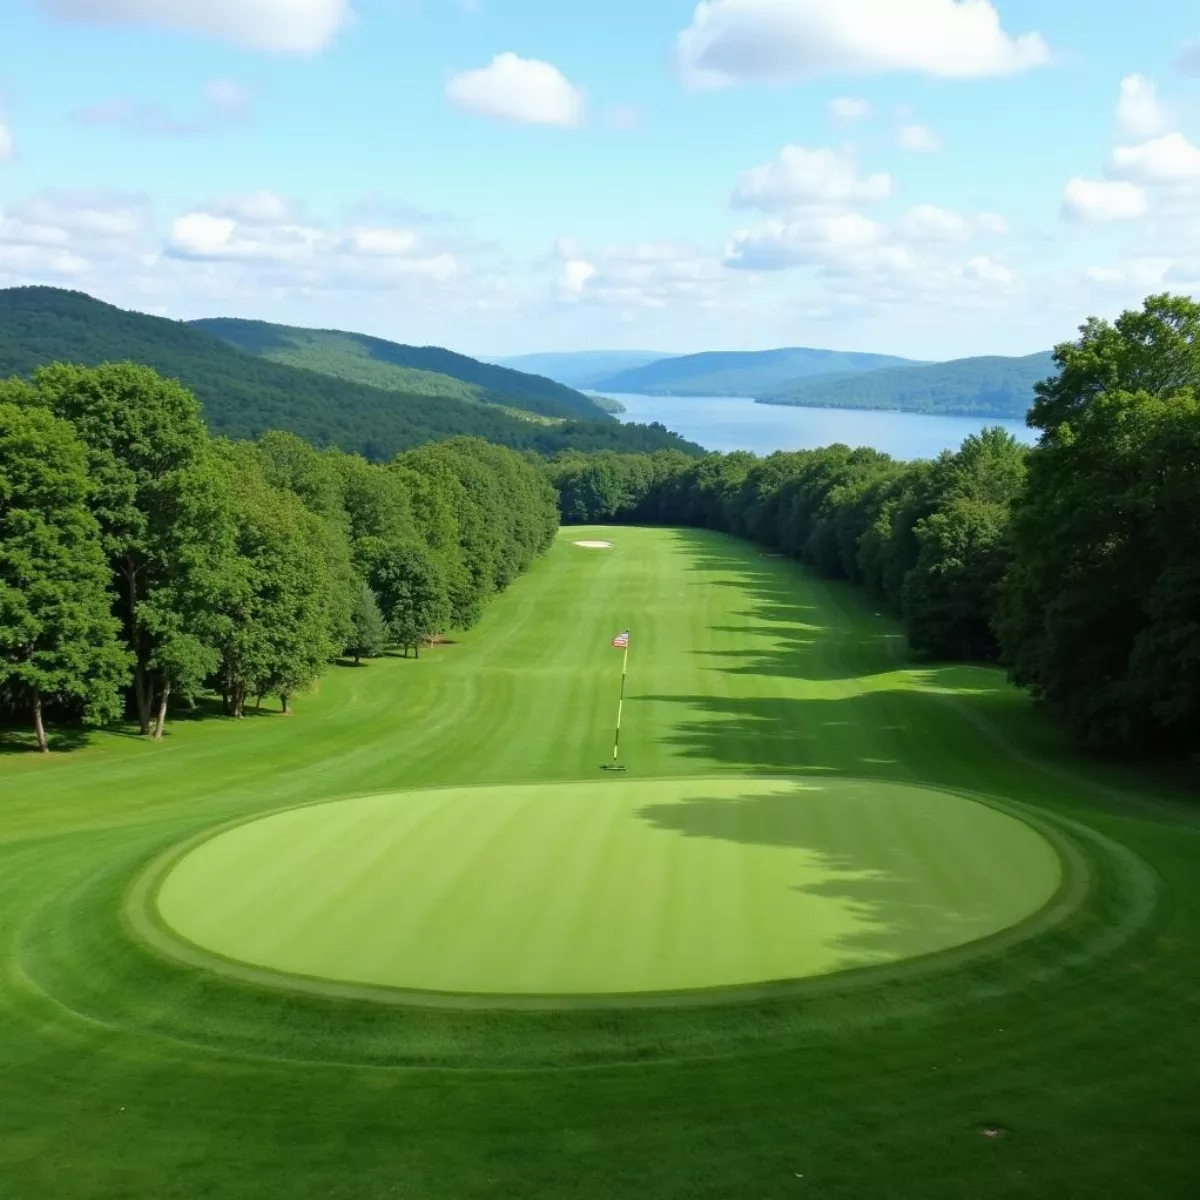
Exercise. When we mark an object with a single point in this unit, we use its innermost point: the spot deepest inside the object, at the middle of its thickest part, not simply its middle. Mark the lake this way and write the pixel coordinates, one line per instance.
(731, 423)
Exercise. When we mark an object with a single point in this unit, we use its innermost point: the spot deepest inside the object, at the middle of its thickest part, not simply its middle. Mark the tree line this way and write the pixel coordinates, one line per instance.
(1075, 563)
(143, 561)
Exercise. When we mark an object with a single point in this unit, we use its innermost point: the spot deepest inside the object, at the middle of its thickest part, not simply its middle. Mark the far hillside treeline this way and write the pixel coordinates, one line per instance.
(334, 390)
(1075, 563)
(145, 564)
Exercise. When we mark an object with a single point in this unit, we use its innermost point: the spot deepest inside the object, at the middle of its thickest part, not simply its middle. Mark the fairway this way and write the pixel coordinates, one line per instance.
(609, 887)
(971, 924)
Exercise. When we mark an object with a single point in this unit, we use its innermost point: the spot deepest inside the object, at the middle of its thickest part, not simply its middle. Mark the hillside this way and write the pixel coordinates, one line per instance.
(990, 386)
(420, 370)
(737, 373)
(582, 368)
(244, 395)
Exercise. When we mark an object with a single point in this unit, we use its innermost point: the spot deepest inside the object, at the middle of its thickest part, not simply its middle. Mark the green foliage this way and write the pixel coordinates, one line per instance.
(162, 516)
(59, 642)
(245, 396)
(369, 635)
(1101, 612)
(740, 373)
(989, 387)
(412, 595)
(422, 370)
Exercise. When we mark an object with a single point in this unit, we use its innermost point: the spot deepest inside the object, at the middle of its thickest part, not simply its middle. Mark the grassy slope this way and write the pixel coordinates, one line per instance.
(741, 373)
(990, 386)
(396, 367)
(127, 1077)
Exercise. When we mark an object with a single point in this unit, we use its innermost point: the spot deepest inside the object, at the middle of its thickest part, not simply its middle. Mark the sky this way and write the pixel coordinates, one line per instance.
(931, 178)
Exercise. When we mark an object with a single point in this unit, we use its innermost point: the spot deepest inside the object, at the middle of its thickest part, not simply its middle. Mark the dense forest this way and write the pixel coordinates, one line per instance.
(144, 563)
(427, 370)
(1075, 563)
(990, 387)
(243, 396)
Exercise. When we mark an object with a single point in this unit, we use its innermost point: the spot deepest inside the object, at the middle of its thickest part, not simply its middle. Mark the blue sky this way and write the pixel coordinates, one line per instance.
(926, 177)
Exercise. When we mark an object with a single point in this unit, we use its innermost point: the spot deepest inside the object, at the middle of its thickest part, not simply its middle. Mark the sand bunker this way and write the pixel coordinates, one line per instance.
(595, 545)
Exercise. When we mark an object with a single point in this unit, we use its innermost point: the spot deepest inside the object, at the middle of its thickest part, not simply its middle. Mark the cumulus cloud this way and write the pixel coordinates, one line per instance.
(929, 223)
(1140, 113)
(518, 89)
(799, 177)
(62, 234)
(224, 102)
(1100, 201)
(262, 231)
(1168, 159)
(780, 41)
(987, 270)
(645, 275)
(918, 138)
(285, 26)
(849, 108)
(1141, 273)
(778, 244)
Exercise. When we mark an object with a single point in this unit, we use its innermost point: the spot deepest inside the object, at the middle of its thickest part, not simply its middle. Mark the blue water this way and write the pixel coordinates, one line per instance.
(725, 423)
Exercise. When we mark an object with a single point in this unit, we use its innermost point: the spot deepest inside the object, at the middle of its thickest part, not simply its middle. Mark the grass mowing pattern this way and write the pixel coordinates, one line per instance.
(125, 1074)
(609, 887)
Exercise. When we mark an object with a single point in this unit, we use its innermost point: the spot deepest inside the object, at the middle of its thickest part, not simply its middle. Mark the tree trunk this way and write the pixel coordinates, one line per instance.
(161, 719)
(237, 700)
(141, 693)
(42, 743)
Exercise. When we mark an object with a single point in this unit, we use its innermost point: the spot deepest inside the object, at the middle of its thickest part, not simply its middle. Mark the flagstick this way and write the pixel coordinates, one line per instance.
(621, 702)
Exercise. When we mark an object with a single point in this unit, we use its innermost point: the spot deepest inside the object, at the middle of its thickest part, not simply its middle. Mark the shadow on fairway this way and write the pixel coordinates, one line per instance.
(849, 644)
(892, 913)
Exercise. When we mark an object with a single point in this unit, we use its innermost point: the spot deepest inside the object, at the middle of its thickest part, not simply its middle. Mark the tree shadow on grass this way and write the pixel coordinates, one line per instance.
(840, 639)
(16, 739)
(886, 907)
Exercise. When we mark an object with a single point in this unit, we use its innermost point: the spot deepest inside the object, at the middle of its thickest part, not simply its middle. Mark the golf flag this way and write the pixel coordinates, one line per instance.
(621, 641)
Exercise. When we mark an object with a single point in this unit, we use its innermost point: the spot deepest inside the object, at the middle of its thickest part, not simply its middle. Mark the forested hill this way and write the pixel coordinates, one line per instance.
(244, 396)
(423, 370)
(737, 373)
(582, 368)
(992, 387)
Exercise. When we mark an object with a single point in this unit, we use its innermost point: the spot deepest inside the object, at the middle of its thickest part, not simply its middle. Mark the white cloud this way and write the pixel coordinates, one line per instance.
(1168, 159)
(383, 241)
(646, 275)
(918, 138)
(1092, 201)
(255, 208)
(799, 177)
(849, 108)
(1142, 273)
(6, 143)
(777, 245)
(929, 223)
(518, 89)
(986, 270)
(1140, 114)
(738, 41)
(287, 26)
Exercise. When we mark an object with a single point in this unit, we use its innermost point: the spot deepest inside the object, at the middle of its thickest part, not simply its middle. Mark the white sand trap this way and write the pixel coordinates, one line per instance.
(594, 545)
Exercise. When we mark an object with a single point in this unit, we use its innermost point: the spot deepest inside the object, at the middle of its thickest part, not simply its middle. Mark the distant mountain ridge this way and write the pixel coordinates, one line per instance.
(991, 386)
(244, 396)
(582, 368)
(423, 370)
(748, 373)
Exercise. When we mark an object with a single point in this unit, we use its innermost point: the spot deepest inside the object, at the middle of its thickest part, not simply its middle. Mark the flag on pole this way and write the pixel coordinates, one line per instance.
(621, 641)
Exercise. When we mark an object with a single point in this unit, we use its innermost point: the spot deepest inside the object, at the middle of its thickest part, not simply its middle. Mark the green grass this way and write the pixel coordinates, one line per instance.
(126, 1073)
(607, 887)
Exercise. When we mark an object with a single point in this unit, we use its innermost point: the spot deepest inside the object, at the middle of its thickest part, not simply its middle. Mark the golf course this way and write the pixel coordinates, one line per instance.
(845, 925)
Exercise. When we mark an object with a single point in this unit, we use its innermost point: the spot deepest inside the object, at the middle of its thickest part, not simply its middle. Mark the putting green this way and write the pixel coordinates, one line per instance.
(608, 887)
